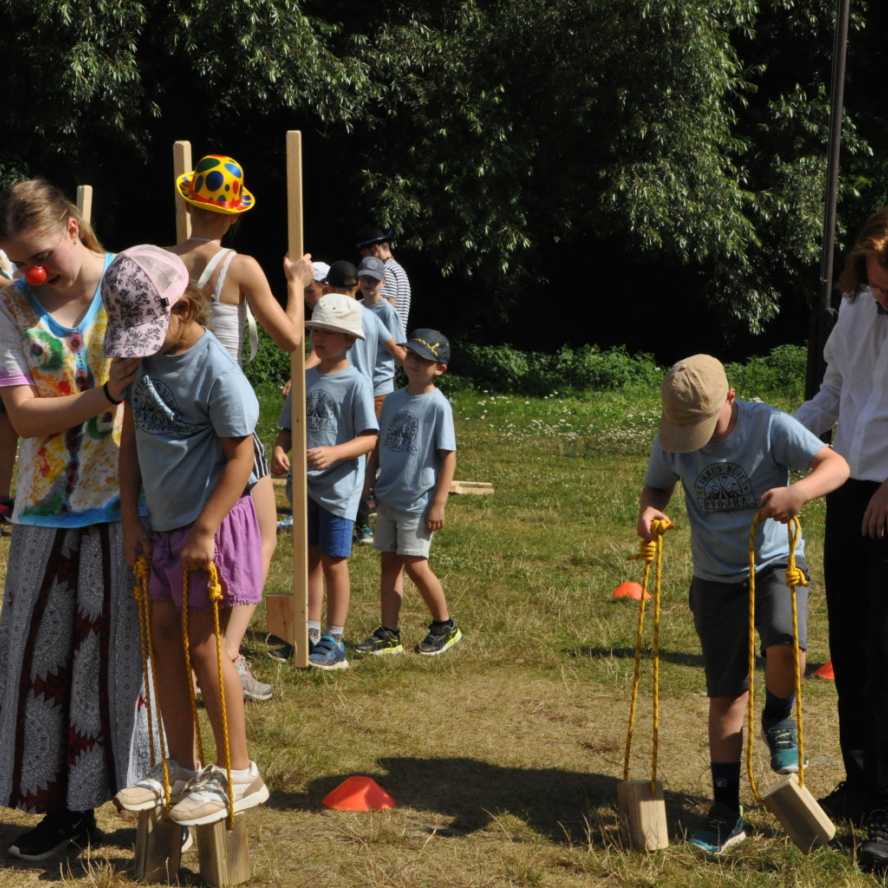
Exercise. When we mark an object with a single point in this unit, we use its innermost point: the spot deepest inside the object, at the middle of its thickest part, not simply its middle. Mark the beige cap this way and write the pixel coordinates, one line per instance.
(339, 313)
(693, 393)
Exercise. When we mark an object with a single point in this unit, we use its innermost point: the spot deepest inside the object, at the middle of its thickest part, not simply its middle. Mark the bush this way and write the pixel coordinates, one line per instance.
(270, 364)
(781, 374)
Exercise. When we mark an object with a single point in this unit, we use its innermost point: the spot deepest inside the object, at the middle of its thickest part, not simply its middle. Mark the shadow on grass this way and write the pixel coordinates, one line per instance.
(565, 806)
(626, 653)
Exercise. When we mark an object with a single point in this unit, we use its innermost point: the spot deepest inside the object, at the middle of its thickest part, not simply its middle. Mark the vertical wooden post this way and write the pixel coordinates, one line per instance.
(181, 164)
(85, 202)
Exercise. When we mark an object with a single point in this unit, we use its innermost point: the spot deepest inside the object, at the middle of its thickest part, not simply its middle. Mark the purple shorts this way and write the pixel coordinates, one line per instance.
(238, 560)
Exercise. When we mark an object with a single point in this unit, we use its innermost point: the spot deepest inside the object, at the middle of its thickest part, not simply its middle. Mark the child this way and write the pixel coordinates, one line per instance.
(417, 460)
(187, 444)
(341, 429)
(733, 459)
(216, 198)
(366, 355)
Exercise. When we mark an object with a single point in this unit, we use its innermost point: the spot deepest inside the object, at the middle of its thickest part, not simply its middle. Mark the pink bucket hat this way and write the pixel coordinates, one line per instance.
(139, 290)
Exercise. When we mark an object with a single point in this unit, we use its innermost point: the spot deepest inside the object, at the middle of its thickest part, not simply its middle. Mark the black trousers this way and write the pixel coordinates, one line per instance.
(856, 573)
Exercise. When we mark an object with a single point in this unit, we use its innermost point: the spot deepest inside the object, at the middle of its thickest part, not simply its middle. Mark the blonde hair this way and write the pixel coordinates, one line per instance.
(36, 205)
(872, 241)
(198, 304)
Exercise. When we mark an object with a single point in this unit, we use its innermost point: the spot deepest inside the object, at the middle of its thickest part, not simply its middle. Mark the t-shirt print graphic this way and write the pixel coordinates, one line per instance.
(724, 487)
(402, 435)
(320, 411)
(156, 410)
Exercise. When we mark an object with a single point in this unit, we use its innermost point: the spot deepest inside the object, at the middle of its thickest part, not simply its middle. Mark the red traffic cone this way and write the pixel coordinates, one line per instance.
(826, 672)
(629, 590)
(358, 794)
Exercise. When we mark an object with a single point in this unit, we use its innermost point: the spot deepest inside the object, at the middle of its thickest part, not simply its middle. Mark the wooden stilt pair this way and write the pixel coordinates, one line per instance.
(223, 847)
(640, 803)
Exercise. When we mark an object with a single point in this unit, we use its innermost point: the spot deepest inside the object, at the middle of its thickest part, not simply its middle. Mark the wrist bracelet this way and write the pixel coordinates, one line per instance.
(107, 392)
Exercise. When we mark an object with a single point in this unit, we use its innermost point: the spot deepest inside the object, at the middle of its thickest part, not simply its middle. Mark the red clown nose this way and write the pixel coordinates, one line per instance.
(36, 275)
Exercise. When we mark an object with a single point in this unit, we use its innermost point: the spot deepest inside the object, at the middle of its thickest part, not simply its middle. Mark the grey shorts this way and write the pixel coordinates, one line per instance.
(402, 532)
(721, 617)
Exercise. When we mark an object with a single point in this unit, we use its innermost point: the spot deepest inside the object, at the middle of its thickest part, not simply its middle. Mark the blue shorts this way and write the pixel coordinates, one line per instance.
(329, 533)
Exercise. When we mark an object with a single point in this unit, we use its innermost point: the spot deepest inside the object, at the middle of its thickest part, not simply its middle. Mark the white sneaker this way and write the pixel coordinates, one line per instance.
(205, 798)
(147, 794)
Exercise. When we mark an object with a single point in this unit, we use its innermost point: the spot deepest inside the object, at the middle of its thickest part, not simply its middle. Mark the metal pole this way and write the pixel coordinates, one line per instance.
(823, 314)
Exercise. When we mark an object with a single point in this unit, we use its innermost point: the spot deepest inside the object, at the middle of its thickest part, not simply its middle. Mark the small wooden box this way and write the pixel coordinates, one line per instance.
(280, 617)
(224, 854)
(643, 814)
(799, 814)
(158, 848)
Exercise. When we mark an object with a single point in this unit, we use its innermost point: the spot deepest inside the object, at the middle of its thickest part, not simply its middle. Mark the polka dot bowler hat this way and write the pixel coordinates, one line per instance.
(216, 184)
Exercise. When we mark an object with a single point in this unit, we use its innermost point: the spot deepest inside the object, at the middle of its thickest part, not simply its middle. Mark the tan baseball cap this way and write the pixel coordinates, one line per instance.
(338, 313)
(693, 393)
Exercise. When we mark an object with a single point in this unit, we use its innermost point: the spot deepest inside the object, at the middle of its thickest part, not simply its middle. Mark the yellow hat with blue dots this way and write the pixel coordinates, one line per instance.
(216, 184)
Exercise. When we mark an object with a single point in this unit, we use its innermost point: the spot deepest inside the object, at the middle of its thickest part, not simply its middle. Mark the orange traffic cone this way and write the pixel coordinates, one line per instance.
(629, 590)
(826, 672)
(358, 794)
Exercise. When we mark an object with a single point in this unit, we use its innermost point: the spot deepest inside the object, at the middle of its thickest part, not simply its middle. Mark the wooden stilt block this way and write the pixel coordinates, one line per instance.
(280, 616)
(643, 814)
(799, 814)
(224, 854)
(476, 488)
(158, 848)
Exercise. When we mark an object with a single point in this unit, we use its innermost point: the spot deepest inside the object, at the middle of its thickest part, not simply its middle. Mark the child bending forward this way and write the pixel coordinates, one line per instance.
(187, 445)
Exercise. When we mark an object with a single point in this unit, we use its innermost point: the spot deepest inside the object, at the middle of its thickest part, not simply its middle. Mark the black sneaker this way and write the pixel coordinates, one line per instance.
(54, 833)
(382, 641)
(873, 857)
(441, 637)
(846, 803)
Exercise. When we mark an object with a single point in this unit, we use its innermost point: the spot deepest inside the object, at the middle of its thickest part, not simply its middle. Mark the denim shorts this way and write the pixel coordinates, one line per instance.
(721, 617)
(329, 533)
(405, 533)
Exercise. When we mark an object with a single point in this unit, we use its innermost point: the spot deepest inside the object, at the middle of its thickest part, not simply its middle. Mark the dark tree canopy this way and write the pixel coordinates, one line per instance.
(648, 172)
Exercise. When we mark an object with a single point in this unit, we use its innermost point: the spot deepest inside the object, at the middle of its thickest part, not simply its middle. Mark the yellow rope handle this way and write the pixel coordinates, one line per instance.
(142, 572)
(189, 675)
(215, 590)
(794, 577)
(651, 553)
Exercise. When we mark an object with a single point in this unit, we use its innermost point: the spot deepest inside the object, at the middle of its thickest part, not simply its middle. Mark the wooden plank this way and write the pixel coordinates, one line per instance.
(476, 488)
(799, 813)
(181, 164)
(224, 854)
(289, 620)
(642, 814)
(85, 202)
(158, 849)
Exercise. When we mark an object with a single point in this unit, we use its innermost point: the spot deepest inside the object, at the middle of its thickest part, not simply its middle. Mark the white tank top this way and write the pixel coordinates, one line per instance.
(229, 323)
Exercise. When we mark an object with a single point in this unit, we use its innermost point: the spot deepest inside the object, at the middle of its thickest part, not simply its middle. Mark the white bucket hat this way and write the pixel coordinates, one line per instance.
(339, 313)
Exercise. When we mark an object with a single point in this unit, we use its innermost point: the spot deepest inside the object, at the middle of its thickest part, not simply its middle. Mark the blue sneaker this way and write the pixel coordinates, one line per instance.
(328, 653)
(363, 535)
(723, 829)
(783, 743)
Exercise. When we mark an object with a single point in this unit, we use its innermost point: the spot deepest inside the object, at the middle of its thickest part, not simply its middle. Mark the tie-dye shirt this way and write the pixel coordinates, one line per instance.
(67, 479)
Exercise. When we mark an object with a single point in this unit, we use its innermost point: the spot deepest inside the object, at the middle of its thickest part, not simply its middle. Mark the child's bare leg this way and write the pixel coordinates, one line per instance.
(726, 716)
(391, 589)
(779, 670)
(8, 446)
(239, 620)
(203, 658)
(429, 586)
(266, 514)
(175, 702)
(335, 572)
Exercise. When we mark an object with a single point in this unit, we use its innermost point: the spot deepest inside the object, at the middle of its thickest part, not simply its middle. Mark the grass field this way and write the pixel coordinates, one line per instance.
(503, 755)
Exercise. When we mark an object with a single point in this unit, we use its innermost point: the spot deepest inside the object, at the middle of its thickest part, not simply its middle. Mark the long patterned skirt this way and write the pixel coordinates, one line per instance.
(72, 722)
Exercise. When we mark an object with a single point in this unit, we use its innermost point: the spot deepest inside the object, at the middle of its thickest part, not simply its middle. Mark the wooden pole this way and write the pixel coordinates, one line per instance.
(181, 164)
(85, 202)
(287, 615)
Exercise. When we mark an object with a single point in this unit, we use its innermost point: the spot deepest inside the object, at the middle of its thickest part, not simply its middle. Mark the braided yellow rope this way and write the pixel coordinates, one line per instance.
(651, 553)
(215, 590)
(189, 675)
(143, 602)
(794, 577)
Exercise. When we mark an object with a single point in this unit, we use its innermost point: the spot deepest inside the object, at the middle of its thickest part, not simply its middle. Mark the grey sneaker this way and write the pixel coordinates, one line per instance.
(205, 798)
(147, 794)
(253, 688)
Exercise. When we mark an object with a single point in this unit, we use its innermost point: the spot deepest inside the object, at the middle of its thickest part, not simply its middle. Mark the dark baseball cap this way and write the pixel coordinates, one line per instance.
(372, 267)
(342, 274)
(429, 344)
(368, 236)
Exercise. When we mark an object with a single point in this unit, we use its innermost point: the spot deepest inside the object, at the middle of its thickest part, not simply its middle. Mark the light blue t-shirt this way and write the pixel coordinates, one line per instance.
(412, 429)
(364, 354)
(182, 405)
(723, 484)
(338, 407)
(384, 371)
